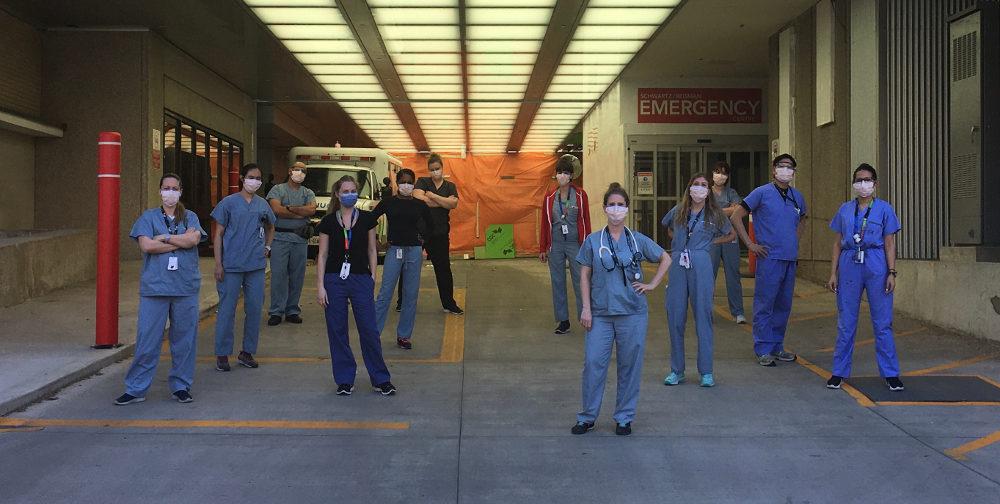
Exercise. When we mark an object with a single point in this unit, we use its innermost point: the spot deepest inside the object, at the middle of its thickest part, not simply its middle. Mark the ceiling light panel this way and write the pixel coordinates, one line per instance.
(416, 15)
(299, 15)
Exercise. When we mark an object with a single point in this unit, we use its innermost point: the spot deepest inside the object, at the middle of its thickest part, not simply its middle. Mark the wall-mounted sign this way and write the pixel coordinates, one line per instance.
(644, 184)
(156, 149)
(696, 105)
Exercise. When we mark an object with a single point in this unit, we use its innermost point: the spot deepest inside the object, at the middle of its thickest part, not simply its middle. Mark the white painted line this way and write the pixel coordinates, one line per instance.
(109, 143)
(108, 175)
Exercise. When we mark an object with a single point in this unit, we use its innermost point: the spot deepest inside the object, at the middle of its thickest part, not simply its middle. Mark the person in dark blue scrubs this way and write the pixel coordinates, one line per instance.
(864, 260)
(779, 211)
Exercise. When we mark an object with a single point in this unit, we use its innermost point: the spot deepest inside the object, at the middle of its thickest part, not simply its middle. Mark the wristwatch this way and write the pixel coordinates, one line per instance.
(267, 248)
(892, 272)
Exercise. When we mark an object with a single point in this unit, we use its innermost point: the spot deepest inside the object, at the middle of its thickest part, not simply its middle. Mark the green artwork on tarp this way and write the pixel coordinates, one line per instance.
(479, 252)
(500, 241)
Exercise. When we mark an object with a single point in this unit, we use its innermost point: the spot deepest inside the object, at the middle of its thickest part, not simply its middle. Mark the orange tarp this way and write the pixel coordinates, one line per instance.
(503, 189)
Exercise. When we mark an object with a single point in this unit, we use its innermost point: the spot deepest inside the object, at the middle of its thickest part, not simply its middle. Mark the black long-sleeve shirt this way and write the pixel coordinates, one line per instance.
(409, 220)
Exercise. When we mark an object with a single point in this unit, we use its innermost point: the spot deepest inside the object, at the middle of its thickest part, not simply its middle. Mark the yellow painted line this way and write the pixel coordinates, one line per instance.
(862, 399)
(960, 452)
(806, 295)
(871, 341)
(203, 424)
(950, 365)
(814, 316)
(724, 313)
(938, 403)
(989, 380)
(453, 344)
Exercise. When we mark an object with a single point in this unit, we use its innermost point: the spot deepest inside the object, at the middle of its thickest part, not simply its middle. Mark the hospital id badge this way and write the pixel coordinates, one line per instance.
(345, 270)
(859, 257)
(172, 263)
(399, 253)
(685, 260)
(565, 229)
(857, 238)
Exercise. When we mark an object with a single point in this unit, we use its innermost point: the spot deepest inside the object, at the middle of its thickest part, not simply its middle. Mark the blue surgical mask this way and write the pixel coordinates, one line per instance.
(348, 199)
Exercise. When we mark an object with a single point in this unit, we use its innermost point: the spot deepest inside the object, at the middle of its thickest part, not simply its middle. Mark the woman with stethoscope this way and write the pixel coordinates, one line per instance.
(864, 260)
(697, 225)
(615, 310)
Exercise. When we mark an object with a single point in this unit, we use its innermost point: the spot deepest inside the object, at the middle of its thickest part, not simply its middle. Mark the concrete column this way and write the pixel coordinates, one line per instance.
(865, 81)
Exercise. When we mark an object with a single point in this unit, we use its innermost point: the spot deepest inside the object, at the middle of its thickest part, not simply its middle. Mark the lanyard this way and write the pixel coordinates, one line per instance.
(562, 212)
(171, 228)
(785, 196)
(864, 220)
(694, 224)
(348, 233)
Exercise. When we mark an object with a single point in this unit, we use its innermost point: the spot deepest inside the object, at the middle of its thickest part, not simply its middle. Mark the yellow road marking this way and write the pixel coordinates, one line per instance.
(723, 313)
(814, 316)
(862, 399)
(205, 424)
(960, 452)
(938, 403)
(989, 380)
(871, 341)
(812, 294)
(950, 365)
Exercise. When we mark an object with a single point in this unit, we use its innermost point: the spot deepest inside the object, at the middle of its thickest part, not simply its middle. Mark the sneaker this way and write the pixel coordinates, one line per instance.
(345, 389)
(673, 379)
(834, 382)
(454, 310)
(247, 360)
(385, 389)
(740, 319)
(784, 356)
(128, 399)
(183, 396)
(222, 364)
(582, 428)
(563, 327)
(404, 343)
(894, 384)
(707, 380)
(624, 429)
(766, 360)
(295, 318)
(274, 320)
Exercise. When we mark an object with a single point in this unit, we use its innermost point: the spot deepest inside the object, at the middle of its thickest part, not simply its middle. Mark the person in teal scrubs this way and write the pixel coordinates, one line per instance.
(615, 311)
(728, 254)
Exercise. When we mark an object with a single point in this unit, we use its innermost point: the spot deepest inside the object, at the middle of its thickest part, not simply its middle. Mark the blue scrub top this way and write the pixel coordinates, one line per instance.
(243, 239)
(287, 196)
(776, 220)
(882, 222)
(610, 294)
(572, 214)
(156, 279)
(703, 232)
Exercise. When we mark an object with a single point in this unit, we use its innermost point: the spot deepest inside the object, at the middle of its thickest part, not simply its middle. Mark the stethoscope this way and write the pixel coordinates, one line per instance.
(633, 249)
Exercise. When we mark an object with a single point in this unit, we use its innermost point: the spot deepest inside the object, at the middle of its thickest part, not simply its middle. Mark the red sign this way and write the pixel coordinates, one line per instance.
(694, 105)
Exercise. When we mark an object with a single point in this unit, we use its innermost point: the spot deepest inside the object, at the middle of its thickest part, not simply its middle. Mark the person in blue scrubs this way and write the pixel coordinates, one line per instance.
(864, 260)
(168, 237)
(779, 212)
(615, 311)
(697, 225)
(345, 275)
(293, 205)
(243, 233)
(728, 253)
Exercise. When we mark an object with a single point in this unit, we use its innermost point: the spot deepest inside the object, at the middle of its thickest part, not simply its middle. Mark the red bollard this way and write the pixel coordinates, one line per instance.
(751, 257)
(109, 148)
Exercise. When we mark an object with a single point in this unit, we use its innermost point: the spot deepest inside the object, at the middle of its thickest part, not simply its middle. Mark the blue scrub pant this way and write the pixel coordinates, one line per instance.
(729, 255)
(852, 279)
(358, 289)
(564, 251)
(409, 268)
(628, 333)
(252, 285)
(772, 304)
(288, 271)
(698, 285)
(183, 334)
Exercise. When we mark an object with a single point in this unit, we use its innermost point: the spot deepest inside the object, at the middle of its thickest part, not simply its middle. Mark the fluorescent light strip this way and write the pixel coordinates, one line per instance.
(299, 15)
(633, 16)
(415, 16)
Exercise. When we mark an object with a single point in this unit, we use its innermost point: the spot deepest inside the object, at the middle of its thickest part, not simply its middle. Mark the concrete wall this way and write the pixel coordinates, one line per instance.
(36, 263)
(20, 85)
(17, 170)
(605, 159)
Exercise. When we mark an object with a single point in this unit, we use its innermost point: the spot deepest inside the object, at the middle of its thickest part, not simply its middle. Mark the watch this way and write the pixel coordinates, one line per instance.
(267, 248)
(892, 272)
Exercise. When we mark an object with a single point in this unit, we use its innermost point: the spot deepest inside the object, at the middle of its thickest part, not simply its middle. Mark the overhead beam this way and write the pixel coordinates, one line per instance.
(462, 31)
(359, 18)
(566, 17)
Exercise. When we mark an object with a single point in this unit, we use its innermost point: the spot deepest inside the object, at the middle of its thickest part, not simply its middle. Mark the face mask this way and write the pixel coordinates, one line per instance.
(784, 175)
(616, 214)
(348, 199)
(698, 193)
(169, 197)
(437, 174)
(864, 189)
(298, 176)
(251, 184)
(562, 178)
(405, 189)
(719, 178)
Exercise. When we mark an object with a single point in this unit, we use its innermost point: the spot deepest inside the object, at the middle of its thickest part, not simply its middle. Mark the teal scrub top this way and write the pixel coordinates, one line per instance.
(703, 232)
(776, 220)
(243, 239)
(287, 196)
(611, 293)
(882, 222)
(156, 279)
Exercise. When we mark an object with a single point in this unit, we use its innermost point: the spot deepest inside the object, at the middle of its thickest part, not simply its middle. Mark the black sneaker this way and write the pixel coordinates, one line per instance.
(295, 318)
(183, 396)
(623, 429)
(385, 389)
(834, 382)
(274, 320)
(404, 343)
(345, 389)
(128, 399)
(247, 360)
(222, 364)
(894, 384)
(582, 428)
(563, 327)
(454, 310)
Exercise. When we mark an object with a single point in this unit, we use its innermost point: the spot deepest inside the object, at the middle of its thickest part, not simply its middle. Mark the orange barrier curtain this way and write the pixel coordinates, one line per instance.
(508, 189)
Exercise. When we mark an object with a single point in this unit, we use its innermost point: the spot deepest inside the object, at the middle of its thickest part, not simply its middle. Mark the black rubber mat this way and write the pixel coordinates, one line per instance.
(929, 389)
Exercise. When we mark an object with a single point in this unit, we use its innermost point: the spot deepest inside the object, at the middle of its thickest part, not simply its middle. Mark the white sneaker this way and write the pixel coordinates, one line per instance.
(740, 319)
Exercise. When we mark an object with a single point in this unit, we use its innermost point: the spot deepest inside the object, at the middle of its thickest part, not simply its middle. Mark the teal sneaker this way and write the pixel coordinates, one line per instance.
(673, 379)
(707, 380)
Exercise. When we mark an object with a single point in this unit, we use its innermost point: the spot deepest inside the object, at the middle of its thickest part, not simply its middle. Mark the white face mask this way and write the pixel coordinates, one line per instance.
(698, 193)
(616, 214)
(437, 174)
(784, 175)
(562, 178)
(406, 189)
(864, 189)
(251, 184)
(719, 178)
(298, 176)
(169, 197)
